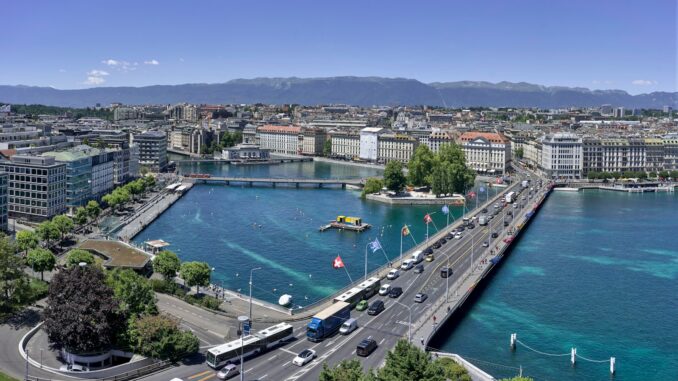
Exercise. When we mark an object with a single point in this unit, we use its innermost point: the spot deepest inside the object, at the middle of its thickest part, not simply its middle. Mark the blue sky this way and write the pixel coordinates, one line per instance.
(629, 44)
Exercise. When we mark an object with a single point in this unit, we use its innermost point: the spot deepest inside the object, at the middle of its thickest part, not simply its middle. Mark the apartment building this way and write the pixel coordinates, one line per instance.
(395, 147)
(345, 144)
(313, 141)
(37, 187)
(152, 150)
(437, 139)
(562, 156)
(281, 139)
(4, 200)
(486, 152)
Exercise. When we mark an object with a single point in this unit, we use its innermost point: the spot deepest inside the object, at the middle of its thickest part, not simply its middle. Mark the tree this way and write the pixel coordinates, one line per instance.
(26, 240)
(63, 224)
(13, 279)
(47, 231)
(519, 153)
(345, 370)
(196, 274)
(673, 175)
(133, 292)
(372, 185)
(93, 209)
(664, 174)
(81, 216)
(452, 370)
(420, 166)
(41, 260)
(77, 256)
(327, 148)
(81, 314)
(166, 263)
(394, 179)
(149, 181)
(406, 362)
(159, 337)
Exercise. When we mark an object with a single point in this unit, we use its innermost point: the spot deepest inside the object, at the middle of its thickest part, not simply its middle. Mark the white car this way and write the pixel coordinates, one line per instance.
(73, 368)
(385, 289)
(303, 358)
(458, 235)
(393, 274)
(229, 371)
(407, 264)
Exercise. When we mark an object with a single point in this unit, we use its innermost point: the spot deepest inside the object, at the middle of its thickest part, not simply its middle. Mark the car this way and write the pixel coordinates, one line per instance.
(496, 206)
(436, 245)
(506, 223)
(393, 274)
(450, 235)
(362, 305)
(304, 357)
(509, 213)
(495, 234)
(419, 269)
(366, 347)
(385, 289)
(458, 236)
(445, 272)
(73, 368)
(428, 251)
(443, 241)
(348, 326)
(471, 226)
(508, 240)
(229, 371)
(484, 210)
(420, 297)
(376, 308)
(460, 229)
(486, 244)
(429, 258)
(407, 264)
(395, 292)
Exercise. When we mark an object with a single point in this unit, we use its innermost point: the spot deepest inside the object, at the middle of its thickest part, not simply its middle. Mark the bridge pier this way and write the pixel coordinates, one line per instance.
(343, 185)
(273, 185)
(297, 185)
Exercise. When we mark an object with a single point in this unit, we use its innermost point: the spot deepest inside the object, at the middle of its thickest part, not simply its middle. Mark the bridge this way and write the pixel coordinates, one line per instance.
(273, 160)
(252, 181)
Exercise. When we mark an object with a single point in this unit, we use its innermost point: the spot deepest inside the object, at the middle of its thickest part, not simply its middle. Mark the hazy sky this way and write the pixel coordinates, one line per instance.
(624, 44)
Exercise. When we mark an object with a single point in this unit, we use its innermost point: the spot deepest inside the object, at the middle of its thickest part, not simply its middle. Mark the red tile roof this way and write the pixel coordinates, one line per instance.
(492, 137)
(280, 129)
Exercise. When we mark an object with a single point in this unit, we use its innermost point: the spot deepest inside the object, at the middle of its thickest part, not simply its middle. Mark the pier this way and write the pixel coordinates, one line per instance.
(251, 181)
(619, 186)
(337, 225)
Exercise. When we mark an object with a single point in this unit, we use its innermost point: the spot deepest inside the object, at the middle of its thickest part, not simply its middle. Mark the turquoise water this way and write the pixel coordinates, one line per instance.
(235, 229)
(597, 271)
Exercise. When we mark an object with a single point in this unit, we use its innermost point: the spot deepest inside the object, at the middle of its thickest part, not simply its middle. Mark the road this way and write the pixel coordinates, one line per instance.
(387, 328)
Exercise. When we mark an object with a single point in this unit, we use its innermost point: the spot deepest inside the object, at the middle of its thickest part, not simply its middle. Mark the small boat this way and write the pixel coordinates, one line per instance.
(285, 300)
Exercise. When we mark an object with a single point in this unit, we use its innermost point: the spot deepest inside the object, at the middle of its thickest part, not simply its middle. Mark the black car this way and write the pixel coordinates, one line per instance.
(506, 223)
(471, 226)
(460, 229)
(445, 272)
(443, 241)
(484, 210)
(428, 251)
(395, 292)
(436, 245)
(419, 269)
(450, 235)
(495, 235)
(366, 347)
(509, 212)
(376, 307)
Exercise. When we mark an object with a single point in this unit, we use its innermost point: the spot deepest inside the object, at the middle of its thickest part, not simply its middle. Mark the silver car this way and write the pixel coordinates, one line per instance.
(230, 370)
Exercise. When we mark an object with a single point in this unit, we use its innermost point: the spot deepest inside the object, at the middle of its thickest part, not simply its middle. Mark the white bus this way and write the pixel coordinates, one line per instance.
(510, 197)
(352, 296)
(250, 344)
(370, 286)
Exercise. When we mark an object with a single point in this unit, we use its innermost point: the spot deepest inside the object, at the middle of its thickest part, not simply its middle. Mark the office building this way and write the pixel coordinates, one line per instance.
(152, 150)
(369, 143)
(562, 156)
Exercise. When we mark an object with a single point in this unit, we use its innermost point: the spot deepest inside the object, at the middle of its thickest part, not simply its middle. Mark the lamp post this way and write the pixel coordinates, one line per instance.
(409, 326)
(241, 322)
(251, 271)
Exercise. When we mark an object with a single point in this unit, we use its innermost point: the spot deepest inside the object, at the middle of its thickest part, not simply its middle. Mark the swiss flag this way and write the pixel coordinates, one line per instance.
(427, 219)
(337, 263)
(472, 194)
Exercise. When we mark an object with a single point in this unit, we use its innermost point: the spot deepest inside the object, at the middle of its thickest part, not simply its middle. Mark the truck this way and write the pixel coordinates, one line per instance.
(482, 220)
(328, 321)
(510, 197)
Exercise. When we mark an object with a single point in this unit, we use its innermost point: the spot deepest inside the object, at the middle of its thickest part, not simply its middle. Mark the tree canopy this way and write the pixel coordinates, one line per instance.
(372, 185)
(166, 263)
(76, 256)
(41, 260)
(47, 232)
(420, 166)
(394, 178)
(345, 370)
(26, 240)
(196, 274)
(13, 279)
(450, 173)
(81, 314)
(159, 337)
(63, 224)
(132, 291)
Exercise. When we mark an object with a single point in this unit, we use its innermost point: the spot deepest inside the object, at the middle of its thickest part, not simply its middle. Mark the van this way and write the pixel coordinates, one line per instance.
(418, 256)
(445, 272)
(349, 326)
(366, 347)
(407, 264)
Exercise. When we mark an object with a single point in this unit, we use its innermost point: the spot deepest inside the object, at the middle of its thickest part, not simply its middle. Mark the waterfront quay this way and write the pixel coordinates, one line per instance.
(250, 181)
(469, 260)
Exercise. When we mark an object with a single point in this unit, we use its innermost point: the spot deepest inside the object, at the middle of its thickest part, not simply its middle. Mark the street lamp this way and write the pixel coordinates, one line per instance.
(251, 271)
(241, 321)
(409, 326)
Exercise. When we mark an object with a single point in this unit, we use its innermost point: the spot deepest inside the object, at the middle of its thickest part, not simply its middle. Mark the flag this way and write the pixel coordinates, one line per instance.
(445, 209)
(427, 219)
(481, 190)
(375, 245)
(405, 230)
(472, 194)
(337, 263)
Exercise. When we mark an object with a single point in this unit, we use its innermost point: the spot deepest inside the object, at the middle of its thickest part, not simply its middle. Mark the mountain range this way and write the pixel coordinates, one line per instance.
(359, 91)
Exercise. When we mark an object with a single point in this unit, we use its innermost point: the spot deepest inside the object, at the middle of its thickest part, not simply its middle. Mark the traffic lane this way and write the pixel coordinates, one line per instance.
(209, 321)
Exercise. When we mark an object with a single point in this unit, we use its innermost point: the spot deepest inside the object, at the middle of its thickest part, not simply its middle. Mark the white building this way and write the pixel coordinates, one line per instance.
(396, 147)
(486, 152)
(369, 143)
(562, 156)
(281, 139)
(345, 144)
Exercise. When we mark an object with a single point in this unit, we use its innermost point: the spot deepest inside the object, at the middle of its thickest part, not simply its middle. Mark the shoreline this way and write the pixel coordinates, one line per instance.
(452, 201)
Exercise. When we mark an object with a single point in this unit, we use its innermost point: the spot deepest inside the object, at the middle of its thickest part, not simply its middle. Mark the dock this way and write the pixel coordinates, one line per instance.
(338, 225)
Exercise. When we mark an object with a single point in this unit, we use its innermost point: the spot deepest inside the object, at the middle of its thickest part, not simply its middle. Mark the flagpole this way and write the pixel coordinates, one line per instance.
(349, 275)
(448, 215)
(366, 260)
(401, 246)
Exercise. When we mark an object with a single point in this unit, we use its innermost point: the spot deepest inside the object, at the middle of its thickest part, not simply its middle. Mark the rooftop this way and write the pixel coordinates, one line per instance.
(117, 254)
(492, 137)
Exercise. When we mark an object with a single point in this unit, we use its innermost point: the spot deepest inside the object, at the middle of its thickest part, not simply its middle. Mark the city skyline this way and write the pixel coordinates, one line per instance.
(572, 44)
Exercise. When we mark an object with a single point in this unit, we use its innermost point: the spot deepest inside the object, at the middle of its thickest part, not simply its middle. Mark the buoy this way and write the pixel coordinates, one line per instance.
(514, 337)
(573, 356)
(285, 300)
(613, 360)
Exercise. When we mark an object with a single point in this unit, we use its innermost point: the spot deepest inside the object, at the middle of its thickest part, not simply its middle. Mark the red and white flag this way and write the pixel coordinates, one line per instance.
(472, 194)
(337, 263)
(428, 219)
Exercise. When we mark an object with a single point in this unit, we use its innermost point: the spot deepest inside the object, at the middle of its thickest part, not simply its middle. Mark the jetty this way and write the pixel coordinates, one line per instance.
(355, 224)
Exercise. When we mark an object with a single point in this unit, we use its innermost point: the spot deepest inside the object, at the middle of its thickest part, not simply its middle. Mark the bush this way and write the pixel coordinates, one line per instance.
(160, 337)
(206, 301)
(171, 288)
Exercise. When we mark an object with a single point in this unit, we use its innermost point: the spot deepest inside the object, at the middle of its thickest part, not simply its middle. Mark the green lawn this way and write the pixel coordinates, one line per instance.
(4, 377)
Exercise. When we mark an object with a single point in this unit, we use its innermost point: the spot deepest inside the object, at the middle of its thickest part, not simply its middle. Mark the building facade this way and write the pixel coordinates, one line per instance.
(396, 147)
(281, 139)
(4, 201)
(369, 143)
(313, 141)
(152, 150)
(562, 156)
(486, 152)
(345, 144)
(37, 187)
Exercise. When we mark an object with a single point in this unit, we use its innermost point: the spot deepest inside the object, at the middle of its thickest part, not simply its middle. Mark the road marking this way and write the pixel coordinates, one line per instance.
(300, 333)
(285, 364)
(382, 341)
(288, 351)
(264, 376)
(207, 377)
(199, 374)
